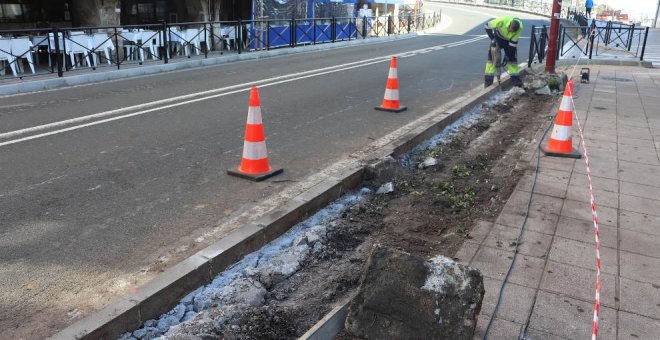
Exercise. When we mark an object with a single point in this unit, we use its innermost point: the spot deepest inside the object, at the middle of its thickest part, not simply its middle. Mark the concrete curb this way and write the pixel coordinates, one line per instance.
(605, 62)
(101, 75)
(162, 293)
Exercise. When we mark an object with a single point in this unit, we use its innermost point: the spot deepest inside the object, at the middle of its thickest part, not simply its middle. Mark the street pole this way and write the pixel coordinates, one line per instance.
(553, 37)
(655, 21)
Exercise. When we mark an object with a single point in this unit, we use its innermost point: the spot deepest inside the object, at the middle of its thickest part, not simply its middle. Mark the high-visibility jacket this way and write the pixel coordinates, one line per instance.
(501, 28)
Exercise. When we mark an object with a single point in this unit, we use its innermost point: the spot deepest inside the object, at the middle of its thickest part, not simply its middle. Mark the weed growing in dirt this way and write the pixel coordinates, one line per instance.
(460, 171)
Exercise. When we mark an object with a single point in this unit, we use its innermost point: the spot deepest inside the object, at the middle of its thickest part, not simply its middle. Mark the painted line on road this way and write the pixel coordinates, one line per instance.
(209, 94)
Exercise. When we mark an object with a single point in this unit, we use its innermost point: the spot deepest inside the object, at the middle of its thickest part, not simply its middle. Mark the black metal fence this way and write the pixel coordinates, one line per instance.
(608, 39)
(66, 50)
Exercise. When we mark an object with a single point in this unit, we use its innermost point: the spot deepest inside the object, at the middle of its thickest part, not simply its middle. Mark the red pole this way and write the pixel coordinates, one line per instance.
(553, 37)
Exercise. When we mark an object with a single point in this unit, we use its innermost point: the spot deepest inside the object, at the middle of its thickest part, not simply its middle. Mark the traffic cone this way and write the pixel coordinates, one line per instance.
(561, 141)
(391, 101)
(254, 164)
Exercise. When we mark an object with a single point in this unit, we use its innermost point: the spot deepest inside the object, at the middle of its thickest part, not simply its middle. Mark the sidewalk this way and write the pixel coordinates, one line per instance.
(556, 263)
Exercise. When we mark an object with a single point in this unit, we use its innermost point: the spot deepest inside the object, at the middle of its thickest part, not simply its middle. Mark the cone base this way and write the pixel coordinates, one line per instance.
(400, 109)
(254, 177)
(573, 154)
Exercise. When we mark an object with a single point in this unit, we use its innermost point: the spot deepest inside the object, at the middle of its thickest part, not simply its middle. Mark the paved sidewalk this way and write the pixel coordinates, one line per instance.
(557, 261)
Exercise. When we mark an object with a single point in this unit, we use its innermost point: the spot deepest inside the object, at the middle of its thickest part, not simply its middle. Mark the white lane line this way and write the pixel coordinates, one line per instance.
(237, 89)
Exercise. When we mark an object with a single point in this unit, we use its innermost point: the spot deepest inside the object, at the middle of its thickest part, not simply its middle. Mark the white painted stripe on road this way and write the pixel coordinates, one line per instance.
(233, 89)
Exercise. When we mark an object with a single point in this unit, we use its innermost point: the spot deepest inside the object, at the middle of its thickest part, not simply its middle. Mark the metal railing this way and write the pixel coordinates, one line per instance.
(82, 48)
(608, 39)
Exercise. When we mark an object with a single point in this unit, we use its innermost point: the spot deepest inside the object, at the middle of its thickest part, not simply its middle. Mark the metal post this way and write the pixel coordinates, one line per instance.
(314, 29)
(389, 25)
(531, 47)
(592, 37)
(554, 35)
(239, 33)
(206, 50)
(292, 41)
(166, 47)
(117, 48)
(267, 35)
(646, 35)
(364, 27)
(409, 22)
(631, 32)
(58, 52)
(333, 25)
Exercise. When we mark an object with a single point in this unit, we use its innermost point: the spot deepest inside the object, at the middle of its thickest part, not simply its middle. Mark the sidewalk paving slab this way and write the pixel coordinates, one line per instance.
(555, 272)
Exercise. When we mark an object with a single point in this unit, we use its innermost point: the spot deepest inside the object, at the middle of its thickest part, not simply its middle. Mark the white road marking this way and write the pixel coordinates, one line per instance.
(204, 95)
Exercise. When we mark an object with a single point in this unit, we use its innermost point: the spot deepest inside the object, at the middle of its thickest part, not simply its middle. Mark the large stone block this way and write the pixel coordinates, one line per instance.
(402, 296)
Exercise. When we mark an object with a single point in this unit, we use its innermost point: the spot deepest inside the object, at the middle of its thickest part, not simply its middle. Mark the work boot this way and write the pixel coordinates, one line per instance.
(516, 81)
(488, 80)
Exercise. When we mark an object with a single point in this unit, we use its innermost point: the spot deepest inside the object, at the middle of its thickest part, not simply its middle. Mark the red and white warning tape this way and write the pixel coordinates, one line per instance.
(594, 327)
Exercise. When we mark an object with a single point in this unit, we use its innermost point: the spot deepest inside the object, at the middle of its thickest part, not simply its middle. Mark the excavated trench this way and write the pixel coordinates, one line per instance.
(424, 203)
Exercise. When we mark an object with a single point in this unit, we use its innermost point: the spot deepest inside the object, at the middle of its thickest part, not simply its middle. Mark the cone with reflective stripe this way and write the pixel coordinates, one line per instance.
(561, 141)
(391, 101)
(254, 164)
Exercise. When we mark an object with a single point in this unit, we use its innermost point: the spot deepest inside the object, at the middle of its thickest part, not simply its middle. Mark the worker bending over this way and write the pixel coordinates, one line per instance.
(504, 33)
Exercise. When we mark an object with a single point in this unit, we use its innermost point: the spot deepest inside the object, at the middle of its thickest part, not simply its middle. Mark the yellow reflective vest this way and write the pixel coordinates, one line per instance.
(501, 28)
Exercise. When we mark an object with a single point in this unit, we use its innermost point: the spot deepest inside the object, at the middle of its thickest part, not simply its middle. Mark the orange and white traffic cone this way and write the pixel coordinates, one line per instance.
(254, 164)
(561, 141)
(391, 101)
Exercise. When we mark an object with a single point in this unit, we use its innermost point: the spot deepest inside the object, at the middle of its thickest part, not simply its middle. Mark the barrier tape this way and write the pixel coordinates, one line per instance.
(594, 327)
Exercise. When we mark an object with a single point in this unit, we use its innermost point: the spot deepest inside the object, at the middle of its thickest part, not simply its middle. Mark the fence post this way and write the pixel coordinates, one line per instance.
(631, 31)
(544, 41)
(116, 48)
(592, 37)
(206, 50)
(239, 35)
(364, 27)
(333, 25)
(58, 52)
(166, 47)
(389, 25)
(267, 35)
(646, 35)
(531, 47)
(292, 35)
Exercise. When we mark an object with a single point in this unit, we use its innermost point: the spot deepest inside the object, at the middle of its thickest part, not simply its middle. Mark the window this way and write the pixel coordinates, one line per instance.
(12, 12)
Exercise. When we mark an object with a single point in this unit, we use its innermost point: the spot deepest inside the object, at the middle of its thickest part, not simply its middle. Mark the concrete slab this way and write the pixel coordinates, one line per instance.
(639, 267)
(640, 297)
(494, 263)
(599, 167)
(533, 243)
(582, 210)
(583, 231)
(633, 326)
(479, 232)
(640, 204)
(639, 173)
(602, 198)
(548, 182)
(640, 190)
(571, 318)
(543, 214)
(515, 303)
(640, 243)
(583, 255)
(599, 183)
(578, 283)
(635, 143)
(500, 329)
(466, 253)
(556, 163)
(639, 222)
(644, 157)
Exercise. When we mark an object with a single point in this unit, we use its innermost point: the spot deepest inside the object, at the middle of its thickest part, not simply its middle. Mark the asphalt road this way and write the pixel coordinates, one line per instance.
(105, 184)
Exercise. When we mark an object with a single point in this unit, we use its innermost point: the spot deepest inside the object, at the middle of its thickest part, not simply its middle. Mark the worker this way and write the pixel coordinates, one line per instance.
(504, 33)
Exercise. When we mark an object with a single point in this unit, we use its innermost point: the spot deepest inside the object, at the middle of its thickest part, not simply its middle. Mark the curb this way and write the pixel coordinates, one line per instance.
(99, 76)
(164, 291)
(603, 62)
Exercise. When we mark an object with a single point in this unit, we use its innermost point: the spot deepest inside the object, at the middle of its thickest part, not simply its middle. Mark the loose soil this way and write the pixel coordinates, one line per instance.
(431, 212)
